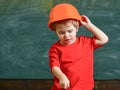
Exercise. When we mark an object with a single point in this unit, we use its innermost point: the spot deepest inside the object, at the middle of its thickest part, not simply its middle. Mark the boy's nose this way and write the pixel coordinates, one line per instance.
(66, 34)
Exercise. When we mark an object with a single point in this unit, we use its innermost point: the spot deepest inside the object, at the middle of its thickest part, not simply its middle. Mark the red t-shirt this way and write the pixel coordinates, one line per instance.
(76, 61)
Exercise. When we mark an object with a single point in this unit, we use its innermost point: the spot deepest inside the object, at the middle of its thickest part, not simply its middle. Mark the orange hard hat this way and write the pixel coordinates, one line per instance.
(61, 12)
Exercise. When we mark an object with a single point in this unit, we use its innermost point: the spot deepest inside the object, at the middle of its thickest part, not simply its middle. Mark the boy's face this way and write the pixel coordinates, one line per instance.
(67, 34)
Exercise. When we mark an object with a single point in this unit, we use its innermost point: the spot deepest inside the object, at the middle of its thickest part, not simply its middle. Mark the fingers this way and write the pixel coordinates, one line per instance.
(65, 85)
(85, 20)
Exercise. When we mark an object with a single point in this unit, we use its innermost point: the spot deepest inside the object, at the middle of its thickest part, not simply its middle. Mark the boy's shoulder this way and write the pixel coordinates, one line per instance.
(55, 44)
(85, 37)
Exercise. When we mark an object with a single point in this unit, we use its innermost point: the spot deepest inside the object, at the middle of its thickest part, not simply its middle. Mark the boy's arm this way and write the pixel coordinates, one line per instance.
(63, 80)
(101, 37)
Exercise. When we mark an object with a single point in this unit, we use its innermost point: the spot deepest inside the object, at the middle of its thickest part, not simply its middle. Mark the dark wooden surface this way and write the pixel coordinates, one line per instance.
(16, 84)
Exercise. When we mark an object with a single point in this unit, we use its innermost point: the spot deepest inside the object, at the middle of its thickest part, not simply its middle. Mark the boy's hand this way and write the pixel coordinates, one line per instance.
(101, 37)
(85, 21)
(64, 82)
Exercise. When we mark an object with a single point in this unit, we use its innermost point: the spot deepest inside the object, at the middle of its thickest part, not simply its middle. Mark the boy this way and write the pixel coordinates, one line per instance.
(71, 58)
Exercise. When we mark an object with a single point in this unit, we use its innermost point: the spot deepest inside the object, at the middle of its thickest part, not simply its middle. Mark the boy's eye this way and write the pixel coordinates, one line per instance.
(61, 32)
(70, 31)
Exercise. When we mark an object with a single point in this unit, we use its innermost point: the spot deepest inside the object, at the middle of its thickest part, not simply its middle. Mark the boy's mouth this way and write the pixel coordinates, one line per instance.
(67, 40)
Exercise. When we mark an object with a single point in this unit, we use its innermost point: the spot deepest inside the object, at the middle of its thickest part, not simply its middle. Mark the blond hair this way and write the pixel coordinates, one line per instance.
(63, 23)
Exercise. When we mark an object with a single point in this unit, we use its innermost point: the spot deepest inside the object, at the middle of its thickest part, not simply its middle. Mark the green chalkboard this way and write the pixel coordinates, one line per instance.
(25, 38)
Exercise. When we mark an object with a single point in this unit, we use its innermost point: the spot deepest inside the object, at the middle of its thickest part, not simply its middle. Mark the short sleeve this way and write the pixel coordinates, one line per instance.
(53, 57)
(90, 41)
(94, 43)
